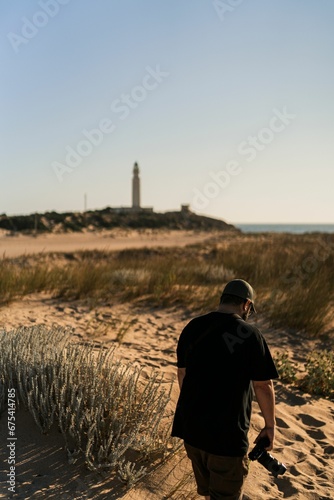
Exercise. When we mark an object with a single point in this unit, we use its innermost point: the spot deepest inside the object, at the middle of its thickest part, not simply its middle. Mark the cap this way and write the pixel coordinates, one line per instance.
(242, 289)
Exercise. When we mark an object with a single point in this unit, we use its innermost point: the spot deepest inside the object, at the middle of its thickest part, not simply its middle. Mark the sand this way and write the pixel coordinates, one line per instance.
(116, 239)
(305, 424)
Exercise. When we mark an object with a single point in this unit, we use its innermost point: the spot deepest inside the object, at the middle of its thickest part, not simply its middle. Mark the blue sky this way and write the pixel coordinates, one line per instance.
(226, 105)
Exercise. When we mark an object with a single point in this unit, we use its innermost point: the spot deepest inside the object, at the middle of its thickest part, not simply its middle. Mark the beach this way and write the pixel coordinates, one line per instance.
(117, 239)
(305, 428)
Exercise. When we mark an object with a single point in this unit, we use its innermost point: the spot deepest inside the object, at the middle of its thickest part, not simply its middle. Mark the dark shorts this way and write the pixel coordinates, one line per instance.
(217, 476)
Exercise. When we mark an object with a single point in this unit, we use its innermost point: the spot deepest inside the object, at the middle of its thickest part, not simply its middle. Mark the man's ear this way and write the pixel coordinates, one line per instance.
(247, 305)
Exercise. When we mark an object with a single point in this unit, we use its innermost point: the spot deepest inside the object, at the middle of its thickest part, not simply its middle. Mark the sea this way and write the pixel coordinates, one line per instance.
(286, 228)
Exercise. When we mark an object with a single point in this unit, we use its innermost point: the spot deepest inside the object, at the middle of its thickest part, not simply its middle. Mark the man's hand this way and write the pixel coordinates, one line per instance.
(268, 432)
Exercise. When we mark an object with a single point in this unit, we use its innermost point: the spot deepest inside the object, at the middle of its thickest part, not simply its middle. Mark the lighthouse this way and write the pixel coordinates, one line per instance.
(136, 188)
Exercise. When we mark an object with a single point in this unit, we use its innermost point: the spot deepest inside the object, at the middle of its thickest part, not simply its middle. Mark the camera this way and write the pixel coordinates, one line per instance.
(264, 458)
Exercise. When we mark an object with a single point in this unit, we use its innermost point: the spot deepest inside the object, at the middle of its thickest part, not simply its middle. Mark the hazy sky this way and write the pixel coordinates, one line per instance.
(226, 105)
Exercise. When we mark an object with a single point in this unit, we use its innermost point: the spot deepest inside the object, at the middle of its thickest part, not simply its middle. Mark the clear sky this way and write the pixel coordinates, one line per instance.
(226, 105)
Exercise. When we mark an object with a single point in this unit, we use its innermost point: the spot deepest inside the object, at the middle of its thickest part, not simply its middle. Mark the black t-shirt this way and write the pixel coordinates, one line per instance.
(222, 354)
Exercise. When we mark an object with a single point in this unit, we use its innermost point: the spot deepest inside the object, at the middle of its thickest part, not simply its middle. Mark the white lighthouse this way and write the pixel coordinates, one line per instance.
(136, 188)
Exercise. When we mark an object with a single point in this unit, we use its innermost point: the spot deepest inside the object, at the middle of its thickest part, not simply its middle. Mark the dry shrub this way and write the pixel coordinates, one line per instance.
(103, 408)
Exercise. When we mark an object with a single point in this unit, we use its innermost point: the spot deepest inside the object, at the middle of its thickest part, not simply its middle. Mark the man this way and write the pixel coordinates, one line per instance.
(220, 360)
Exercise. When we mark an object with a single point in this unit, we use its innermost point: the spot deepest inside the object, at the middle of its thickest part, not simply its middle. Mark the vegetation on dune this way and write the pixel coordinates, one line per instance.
(317, 377)
(103, 408)
(292, 275)
(161, 277)
(106, 411)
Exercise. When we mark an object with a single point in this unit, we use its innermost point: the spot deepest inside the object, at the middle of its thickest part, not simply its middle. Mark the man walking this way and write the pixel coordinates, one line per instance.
(220, 360)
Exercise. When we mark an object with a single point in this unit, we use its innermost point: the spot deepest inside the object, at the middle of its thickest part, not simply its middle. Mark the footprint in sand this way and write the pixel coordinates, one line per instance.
(301, 456)
(168, 350)
(291, 437)
(294, 471)
(310, 421)
(308, 486)
(316, 434)
(323, 462)
(281, 423)
(285, 485)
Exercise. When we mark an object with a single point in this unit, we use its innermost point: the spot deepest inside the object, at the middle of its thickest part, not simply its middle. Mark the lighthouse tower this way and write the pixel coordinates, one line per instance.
(135, 187)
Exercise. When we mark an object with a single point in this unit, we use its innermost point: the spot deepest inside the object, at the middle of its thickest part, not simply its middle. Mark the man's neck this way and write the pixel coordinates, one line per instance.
(229, 309)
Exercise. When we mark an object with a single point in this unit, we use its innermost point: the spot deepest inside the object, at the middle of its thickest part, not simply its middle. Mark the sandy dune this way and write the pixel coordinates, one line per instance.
(305, 432)
(117, 239)
(148, 336)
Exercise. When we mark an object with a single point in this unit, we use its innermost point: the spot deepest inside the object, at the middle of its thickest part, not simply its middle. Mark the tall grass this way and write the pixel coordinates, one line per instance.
(292, 274)
(161, 277)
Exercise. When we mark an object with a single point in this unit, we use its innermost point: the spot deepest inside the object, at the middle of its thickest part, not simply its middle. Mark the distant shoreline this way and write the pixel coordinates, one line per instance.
(286, 228)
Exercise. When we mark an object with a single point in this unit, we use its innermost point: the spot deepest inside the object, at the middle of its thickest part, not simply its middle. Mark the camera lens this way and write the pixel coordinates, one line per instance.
(271, 464)
(264, 458)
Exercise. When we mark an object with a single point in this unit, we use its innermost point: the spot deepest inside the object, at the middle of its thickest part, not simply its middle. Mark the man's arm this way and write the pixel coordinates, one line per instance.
(181, 372)
(265, 396)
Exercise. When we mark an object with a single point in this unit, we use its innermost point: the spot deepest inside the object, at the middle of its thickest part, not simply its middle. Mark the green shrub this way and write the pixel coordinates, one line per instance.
(286, 370)
(319, 378)
(319, 373)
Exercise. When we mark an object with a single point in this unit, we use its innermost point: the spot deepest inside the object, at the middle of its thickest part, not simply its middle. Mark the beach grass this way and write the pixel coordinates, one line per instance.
(292, 275)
